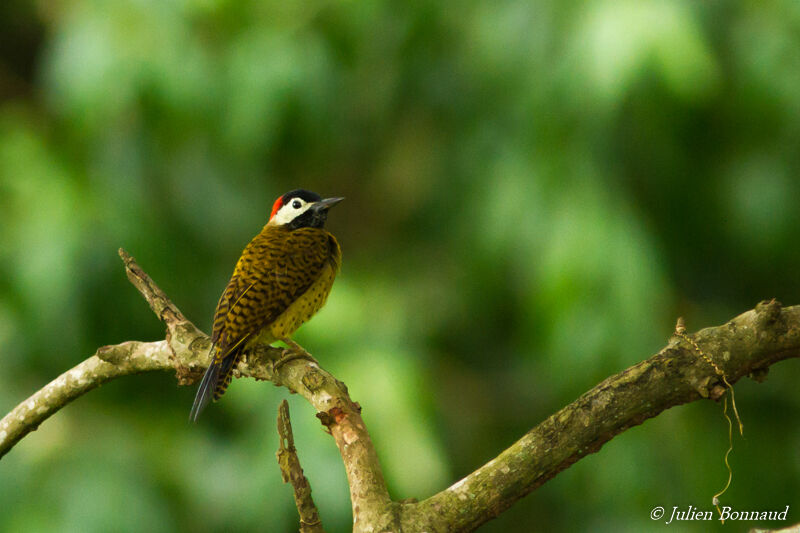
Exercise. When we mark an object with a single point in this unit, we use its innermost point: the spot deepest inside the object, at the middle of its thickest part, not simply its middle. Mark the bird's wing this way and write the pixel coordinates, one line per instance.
(232, 292)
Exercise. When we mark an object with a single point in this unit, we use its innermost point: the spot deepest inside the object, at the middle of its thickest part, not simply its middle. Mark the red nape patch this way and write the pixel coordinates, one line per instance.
(277, 205)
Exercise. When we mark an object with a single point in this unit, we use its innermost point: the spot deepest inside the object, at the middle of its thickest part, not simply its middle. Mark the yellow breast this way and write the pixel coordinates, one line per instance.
(305, 306)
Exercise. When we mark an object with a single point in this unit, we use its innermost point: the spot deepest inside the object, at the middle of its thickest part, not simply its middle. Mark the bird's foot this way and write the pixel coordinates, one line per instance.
(295, 351)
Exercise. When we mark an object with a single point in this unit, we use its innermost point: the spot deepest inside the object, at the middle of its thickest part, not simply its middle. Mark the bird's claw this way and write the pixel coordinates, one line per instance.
(289, 355)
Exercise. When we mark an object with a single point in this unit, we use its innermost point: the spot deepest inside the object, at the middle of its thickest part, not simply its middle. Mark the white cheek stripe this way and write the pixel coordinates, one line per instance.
(287, 213)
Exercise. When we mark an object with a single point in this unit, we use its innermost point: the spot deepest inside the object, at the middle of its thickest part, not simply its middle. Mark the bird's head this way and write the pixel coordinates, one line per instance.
(301, 209)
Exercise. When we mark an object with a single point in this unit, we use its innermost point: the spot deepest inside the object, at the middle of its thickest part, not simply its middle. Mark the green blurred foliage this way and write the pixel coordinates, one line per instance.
(535, 191)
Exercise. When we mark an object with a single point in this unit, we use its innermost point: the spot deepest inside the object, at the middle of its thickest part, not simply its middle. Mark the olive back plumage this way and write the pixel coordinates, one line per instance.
(275, 270)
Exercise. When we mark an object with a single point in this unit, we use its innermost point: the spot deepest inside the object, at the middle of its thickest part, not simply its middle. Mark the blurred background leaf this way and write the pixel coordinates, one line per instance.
(535, 191)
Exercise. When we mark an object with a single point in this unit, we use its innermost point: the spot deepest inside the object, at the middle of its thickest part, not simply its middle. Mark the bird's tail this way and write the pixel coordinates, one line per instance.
(225, 374)
(215, 382)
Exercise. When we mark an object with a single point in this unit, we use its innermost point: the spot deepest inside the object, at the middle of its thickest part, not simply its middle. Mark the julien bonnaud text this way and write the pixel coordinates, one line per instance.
(693, 513)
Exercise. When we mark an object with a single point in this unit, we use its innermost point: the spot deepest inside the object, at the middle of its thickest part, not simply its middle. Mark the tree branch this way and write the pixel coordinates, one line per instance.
(186, 350)
(109, 362)
(292, 472)
(747, 345)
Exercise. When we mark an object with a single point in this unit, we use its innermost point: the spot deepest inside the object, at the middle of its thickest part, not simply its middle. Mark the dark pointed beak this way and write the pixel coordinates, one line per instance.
(327, 203)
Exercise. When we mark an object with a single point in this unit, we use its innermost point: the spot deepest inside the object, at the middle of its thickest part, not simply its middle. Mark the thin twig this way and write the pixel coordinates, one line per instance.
(162, 306)
(292, 472)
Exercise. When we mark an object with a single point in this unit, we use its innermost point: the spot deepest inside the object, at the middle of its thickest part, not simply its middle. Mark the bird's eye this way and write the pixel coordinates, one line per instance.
(296, 204)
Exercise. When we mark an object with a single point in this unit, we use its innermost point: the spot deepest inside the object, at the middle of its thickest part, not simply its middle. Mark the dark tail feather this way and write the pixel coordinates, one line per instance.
(225, 374)
(205, 390)
(212, 387)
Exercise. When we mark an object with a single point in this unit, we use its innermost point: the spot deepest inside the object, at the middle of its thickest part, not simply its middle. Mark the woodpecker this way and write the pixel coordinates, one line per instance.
(281, 280)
